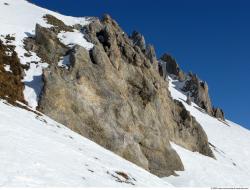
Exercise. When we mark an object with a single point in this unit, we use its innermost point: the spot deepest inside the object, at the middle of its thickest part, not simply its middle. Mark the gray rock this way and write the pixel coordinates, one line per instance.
(151, 55)
(199, 92)
(113, 96)
(188, 101)
(188, 132)
(168, 64)
(218, 113)
(46, 45)
(138, 39)
(110, 96)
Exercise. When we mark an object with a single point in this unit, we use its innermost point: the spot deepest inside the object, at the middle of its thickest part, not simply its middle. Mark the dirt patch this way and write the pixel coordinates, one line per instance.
(11, 73)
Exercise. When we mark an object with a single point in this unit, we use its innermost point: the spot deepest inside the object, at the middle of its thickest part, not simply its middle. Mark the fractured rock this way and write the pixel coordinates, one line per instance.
(199, 92)
(46, 45)
(110, 96)
(138, 39)
(188, 132)
(169, 65)
(218, 113)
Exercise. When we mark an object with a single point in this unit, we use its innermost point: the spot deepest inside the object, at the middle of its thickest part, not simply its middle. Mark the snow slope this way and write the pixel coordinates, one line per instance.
(230, 144)
(19, 18)
(36, 151)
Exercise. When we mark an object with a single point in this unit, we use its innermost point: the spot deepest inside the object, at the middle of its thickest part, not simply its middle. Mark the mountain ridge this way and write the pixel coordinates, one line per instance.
(89, 75)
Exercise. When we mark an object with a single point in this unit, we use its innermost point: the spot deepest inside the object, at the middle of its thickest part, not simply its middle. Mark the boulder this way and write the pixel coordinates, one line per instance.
(46, 45)
(189, 101)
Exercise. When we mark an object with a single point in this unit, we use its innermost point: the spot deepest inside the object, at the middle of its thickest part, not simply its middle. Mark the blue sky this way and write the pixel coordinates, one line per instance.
(210, 38)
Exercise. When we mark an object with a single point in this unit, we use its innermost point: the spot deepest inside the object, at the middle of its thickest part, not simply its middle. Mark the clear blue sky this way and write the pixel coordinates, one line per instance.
(210, 38)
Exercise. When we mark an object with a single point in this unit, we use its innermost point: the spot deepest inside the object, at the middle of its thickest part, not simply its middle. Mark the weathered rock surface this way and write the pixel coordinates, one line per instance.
(168, 65)
(218, 113)
(188, 132)
(196, 89)
(139, 40)
(188, 101)
(199, 92)
(151, 55)
(114, 96)
(46, 45)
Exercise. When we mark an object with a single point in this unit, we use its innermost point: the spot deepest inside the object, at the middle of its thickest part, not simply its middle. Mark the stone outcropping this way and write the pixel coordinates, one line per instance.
(46, 45)
(114, 95)
(139, 40)
(199, 92)
(169, 66)
(196, 89)
(189, 133)
(218, 113)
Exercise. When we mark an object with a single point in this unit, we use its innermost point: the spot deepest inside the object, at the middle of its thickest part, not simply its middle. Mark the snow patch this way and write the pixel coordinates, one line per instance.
(74, 38)
(64, 62)
(7, 68)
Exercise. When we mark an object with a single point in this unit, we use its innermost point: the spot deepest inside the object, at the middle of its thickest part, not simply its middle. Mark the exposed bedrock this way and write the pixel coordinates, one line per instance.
(196, 89)
(114, 95)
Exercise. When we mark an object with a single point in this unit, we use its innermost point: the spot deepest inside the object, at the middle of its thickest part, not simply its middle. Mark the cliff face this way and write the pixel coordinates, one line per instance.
(114, 95)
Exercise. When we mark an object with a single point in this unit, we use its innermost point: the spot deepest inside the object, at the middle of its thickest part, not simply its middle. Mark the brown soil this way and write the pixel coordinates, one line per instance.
(11, 84)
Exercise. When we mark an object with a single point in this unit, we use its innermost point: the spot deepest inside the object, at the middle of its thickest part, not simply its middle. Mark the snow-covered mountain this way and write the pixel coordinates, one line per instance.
(37, 151)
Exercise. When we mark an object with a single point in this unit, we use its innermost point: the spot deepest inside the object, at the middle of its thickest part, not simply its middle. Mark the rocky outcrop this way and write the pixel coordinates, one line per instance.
(218, 113)
(139, 40)
(199, 92)
(168, 65)
(151, 55)
(196, 89)
(188, 132)
(46, 45)
(113, 96)
(57, 25)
